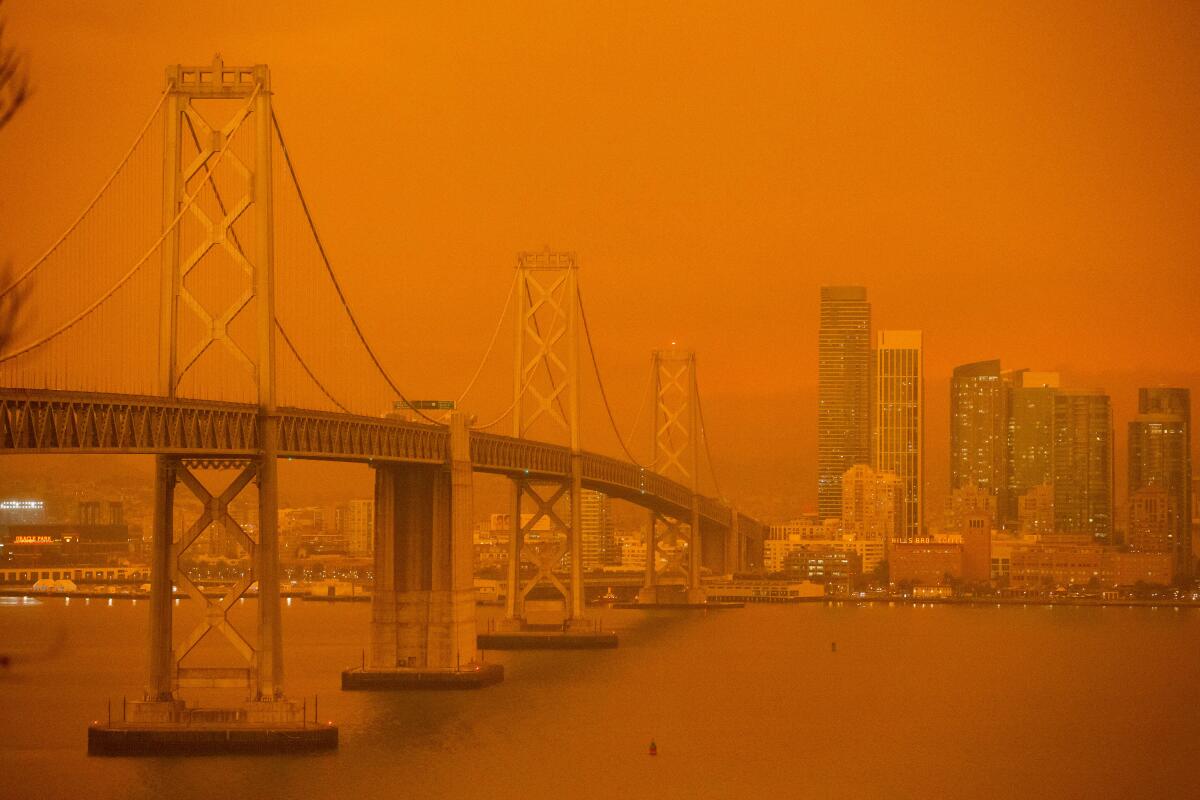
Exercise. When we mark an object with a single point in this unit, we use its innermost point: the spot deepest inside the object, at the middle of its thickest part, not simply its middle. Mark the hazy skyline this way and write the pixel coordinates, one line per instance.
(1017, 182)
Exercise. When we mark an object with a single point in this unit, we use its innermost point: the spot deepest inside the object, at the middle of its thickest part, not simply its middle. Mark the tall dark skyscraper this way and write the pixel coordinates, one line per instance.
(1083, 463)
(1030, 401)
(844, 385)
(979, 429)
(1160, 458)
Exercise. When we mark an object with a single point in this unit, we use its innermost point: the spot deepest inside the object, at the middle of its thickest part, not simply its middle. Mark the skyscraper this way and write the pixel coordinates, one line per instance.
(843, 391)
(1030, 405)
(1160, 458)
(1149, 523)
(898, 435)
(599, 543)
(979, 430)
(1083, 463)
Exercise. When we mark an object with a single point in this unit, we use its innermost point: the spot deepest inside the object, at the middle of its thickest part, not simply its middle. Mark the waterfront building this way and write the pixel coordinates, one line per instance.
(843, 391)
(979, 430)
(977, 549)
(757, 590)
(925, 562)
(872, 504)
(898, 428)
(1160, 456)
(870, 552)
(48, 544)
(1048, 565)
(1083, 463)
(354, 522)
(823, 565)
(22, 511)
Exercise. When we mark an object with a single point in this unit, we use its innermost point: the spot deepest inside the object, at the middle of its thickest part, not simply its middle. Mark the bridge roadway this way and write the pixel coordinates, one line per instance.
(62, 422)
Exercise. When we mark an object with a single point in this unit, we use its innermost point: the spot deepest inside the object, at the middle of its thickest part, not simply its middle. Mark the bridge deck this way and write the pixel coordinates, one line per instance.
(44, 421)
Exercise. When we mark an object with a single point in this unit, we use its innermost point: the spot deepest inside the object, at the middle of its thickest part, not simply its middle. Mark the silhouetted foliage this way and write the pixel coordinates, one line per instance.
(14, 91)
(14, 78)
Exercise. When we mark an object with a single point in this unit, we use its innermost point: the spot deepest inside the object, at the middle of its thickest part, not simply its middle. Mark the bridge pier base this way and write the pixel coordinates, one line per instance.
(556, 620)
(162, 723)
(423, 603)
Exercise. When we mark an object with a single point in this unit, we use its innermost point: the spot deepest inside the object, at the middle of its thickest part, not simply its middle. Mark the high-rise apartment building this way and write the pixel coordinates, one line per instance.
(599, 544)
(1035, 510)
(979, 430)
(1149, 528)
(898, 420)
(966, 502)
(872, 503)
(843, 391)
(1083, 463)
(1030, 405)
(354, 523)
(1160, 457)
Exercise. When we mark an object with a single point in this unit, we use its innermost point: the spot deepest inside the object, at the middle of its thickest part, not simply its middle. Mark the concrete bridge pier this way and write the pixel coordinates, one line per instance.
(558, 619)
(423, 604)
(162, 722)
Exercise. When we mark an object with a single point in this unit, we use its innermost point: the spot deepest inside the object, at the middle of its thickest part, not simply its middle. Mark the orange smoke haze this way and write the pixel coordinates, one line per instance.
(1019, 180)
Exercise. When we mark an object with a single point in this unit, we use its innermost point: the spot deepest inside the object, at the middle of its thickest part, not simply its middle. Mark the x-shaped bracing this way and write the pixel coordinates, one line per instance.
(215, 512)
(547, 556)
(671, 428)
(676, 557)
(217, 232)
(545, 351)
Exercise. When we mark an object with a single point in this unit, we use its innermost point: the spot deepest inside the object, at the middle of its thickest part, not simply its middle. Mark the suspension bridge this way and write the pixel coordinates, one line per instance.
(155, 324)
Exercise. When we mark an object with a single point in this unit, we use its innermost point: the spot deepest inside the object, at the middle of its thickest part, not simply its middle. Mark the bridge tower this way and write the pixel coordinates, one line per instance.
(546, 398)
(217, 267)
(675, 453)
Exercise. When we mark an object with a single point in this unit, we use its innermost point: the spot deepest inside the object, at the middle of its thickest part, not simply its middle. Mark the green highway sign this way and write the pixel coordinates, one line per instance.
(424, 405)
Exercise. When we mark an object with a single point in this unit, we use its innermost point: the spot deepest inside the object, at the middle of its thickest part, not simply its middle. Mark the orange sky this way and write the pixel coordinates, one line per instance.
(1019, 181)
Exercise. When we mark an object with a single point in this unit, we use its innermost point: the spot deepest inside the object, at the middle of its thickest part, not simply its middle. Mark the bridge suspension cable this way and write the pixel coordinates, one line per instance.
(333, 277)
(304, 365)
(712, 470)
(587, 334)
(184, 208)
(238, 244)
(491, 344)
(103, 189)
(637, 417)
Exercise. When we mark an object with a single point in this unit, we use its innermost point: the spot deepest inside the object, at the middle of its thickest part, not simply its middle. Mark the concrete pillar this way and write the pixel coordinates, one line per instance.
(695, 555)
(649, 591)
(381, 653)
(451, 629)
(415, 512)
(712, 552)
(270, 630)
(158, 685)
(733, 546)
(577, 601)
(512, 602)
